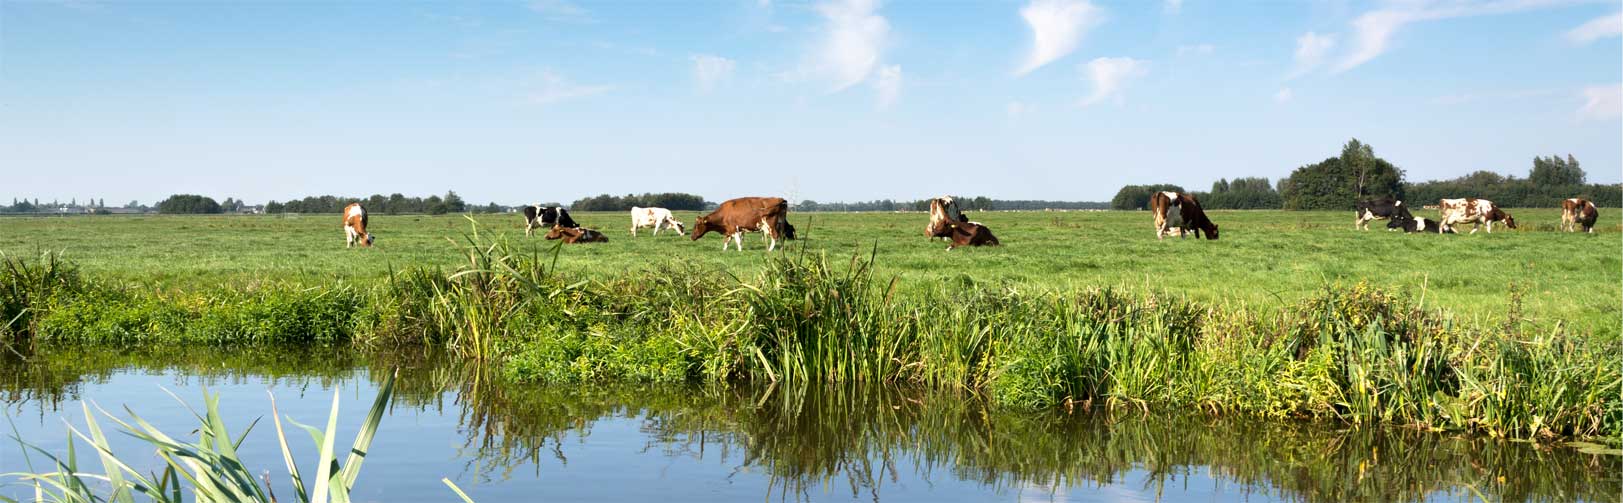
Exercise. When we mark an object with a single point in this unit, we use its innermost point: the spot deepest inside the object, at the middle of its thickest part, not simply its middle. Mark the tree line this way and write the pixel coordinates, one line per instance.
(1357, 174)
(966, 203)
(392, 204)
(667, 200)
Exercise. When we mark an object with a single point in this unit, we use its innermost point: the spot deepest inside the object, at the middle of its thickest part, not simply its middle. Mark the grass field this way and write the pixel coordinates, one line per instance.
(1265, 258)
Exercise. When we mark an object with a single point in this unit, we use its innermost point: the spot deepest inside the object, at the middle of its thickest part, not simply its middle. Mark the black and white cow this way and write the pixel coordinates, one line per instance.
(546, 217)
(1384, 208)
(1417, 224)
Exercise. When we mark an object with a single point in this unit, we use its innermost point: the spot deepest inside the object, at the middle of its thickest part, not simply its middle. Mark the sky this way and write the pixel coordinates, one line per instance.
(836, 100)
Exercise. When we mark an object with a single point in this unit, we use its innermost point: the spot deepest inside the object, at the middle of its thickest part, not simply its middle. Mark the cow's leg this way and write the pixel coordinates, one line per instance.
(738, 241)
(349, 236)
(529, 229)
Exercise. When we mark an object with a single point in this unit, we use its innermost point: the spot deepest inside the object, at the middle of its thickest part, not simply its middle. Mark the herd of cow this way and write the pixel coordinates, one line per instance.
(1175, 213)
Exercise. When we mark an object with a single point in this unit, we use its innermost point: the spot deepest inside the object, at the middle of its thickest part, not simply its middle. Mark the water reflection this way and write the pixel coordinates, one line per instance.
(859, 442)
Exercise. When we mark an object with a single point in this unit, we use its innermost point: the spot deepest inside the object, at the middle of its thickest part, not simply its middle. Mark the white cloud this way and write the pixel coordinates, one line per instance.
(1373, 30)
(1602, 102)
(561, 10)
(853, 39)
(1057, 27)
(1284, 95)
(552, 88)
(1311, 49)
(1172, 6)
(888, 85)
(1607, 26)
(1195, 50)
(1110, 77)
(710, 71)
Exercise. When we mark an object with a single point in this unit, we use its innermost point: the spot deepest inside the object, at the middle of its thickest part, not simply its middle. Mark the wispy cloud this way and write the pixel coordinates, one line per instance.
(1610, 25)
(887, 86)
(854, 38)
(1195, 50)
(561, 10)
(1311, 51)
(1057, 27)
(1497, 96)
(1373, 30)
(1015, 109)
(1602, 102)
(551, 88)
(1110, 77)
(1172, 7)
(710, 71)
(1284, 95)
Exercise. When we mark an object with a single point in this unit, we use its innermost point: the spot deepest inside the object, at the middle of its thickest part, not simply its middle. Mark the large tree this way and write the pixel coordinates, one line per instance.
(1340, 182)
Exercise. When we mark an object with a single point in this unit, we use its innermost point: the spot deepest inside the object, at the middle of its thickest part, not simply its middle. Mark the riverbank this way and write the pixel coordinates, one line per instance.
(1350, 353)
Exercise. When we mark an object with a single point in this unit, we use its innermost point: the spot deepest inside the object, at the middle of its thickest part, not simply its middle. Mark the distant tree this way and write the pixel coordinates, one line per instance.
(274, 207)
(133, 205)
(1555, 171)
(1339, 182)
(454, 203)
(188, 203)
(1137, 197)
(435, 205)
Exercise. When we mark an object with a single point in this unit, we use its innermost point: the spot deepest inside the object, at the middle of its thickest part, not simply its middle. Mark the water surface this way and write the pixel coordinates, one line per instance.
(504, 442)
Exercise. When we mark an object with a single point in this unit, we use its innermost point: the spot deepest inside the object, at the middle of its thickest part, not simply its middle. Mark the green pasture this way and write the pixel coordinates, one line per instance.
(1264, 258)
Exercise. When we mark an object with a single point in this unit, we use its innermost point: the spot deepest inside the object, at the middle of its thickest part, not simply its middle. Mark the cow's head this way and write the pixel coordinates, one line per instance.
(678, 225)
(367, 241)
(558, 232)
(1211, 231)
(702, 225)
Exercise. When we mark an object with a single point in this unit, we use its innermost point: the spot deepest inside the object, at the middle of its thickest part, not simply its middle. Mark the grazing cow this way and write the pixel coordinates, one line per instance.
(1578, 211)
(573, 235)
(658, 218)
(745, 214)
(1384, 208)
(1476, 211)
(969, 234)
(549, 216)
(943, 211)
(1175, 210)
(1414, 224)
(355, 226)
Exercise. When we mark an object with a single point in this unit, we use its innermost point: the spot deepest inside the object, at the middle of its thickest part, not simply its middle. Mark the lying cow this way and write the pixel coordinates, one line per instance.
(573, 235)
(1578, 212)
(658, 218)
(969, 234)
(1414, 224)
(1477, 211)
(549, 216)
(1384, 208)
(746, 214)
(355, 226)
(1180, 212)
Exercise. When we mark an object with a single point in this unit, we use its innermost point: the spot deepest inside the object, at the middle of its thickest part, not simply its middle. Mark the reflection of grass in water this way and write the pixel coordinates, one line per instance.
(857, 438)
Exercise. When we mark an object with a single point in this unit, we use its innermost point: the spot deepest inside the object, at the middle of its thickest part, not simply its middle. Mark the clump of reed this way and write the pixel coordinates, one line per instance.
(209, 469)
(25, 285)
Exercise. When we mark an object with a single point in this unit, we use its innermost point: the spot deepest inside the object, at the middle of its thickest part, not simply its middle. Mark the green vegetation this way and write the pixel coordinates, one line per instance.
(1348, 351)
(210, 467)
(1551, 180)
(377, 204)
(188, 203)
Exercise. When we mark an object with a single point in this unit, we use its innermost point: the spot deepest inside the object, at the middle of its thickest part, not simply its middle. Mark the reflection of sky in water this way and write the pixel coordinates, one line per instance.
(617, 457)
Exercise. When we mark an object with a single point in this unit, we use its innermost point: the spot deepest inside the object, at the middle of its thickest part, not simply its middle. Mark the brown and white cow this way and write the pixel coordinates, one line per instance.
(1180, 213)
(1578, 212)
(658, 218)
(573, 235)
(355, 226)
(969, 234)
(943, 211)
(745, 214)
(1477, 211)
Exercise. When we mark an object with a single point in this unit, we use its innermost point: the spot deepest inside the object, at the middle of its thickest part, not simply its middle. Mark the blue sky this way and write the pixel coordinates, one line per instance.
(553, 100)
